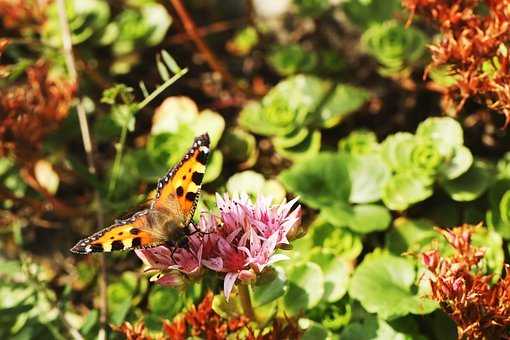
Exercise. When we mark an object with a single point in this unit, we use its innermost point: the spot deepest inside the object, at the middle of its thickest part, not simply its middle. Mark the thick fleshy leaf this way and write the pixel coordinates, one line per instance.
(269, 287)
(240, 146)
(370, 217)
(336, 274)
(321, 181)
(368, 174)
(372, 328)
(405, 189)
(172, 113)
(312, 330)
(344, 100)
(342, 241)
(303, 151)
(210, 122)
(214, 166)
(460, 162)
(306, 287)
(498, 217)
(383, 284)
(446, 132)
(396, 150)
(253, 183)
(410, 235)
(471, 184)
(120, 295)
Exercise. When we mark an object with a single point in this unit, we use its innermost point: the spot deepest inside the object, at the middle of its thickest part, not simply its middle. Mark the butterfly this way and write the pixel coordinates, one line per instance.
(167, 220)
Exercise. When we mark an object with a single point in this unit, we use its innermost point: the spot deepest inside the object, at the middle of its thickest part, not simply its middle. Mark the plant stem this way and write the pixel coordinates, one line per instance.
(161, 88)
(123, 133)
(211, 59)
(244, 295)
(87, 145)
(119, 147)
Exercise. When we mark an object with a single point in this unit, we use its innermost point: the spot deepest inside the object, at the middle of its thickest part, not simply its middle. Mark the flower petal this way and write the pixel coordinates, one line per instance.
(228, 284)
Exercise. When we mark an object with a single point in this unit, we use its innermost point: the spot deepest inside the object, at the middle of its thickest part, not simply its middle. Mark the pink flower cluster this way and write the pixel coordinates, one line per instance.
(240, 242)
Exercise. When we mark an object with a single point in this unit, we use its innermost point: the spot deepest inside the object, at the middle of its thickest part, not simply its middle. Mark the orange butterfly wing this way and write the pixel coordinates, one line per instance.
(131, 233)
(184, 180)
(177, 197)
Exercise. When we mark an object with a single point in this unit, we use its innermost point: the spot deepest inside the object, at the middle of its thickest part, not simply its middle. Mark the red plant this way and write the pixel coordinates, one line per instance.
(203, 322)
(132, 332)
(31, 109)
(480, 310)
(20, 14)
(473, 45)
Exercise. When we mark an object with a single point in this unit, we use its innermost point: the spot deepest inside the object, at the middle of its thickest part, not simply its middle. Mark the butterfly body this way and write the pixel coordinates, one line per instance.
(167, 220)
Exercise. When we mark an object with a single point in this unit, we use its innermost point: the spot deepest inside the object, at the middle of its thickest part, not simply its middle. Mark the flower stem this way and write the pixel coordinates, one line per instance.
(244, 295)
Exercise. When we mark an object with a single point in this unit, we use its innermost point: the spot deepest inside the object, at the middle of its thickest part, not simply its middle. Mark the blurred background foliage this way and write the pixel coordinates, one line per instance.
(321, 99)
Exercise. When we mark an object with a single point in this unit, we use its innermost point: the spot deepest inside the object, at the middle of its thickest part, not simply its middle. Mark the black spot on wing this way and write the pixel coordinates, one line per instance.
(179, 191)
(117, 245)
(202, 157)
(96, 247)
(190, 196)
(197, 177)
(134, 231)
(137, 242)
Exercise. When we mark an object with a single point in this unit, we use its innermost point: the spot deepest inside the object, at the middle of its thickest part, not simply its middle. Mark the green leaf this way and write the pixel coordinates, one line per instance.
(214, 166)
(344, 100)
(277, 114)
(170, 62)
(397, 150)
(120, 295)
(321, 181)
(227, 309)
(342, 241)
(162, 70)
(86, 19)
(312, 330)
(359, 142)
(460, 163)
(255, 184)
(336, 274)
(269, 288)
(372, 328)
(124, 116)
(365, 13)
(303, 151)
(471, 184)
(368, 174)
(243, 41)
(291, 59)
(306, 287)
(156, 17)
(383, 284)
(174, 113)
(210, 122)
(369, 218)
(312, 8)
(240, 146)
(410, 235)
(291, 139)
(494, 258)
(405, 189)
(159, 298)
(394, 46)
(498, 216)
(446, 132)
